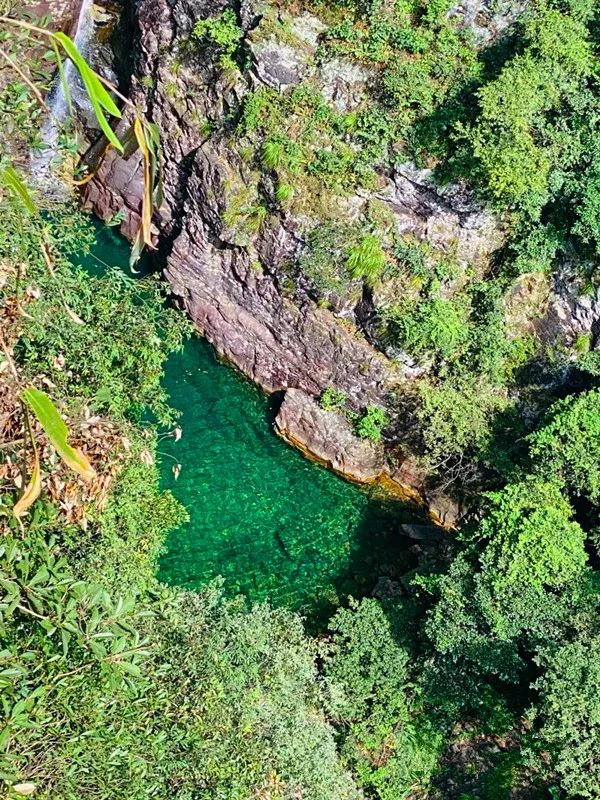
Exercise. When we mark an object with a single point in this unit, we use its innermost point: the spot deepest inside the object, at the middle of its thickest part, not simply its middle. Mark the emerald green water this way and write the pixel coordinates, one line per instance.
(269, 521)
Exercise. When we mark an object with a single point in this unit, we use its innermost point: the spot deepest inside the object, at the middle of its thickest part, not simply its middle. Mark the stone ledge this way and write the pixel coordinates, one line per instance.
(327, 438)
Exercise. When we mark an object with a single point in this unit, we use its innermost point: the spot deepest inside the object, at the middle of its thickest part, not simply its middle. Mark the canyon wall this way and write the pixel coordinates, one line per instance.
(241, 284)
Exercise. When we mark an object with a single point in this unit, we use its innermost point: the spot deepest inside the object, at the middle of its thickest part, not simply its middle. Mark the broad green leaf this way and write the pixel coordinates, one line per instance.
(130, 668)
(10, 178)
(153, 140)
(88, 74)
(32, 490)
(57, 431)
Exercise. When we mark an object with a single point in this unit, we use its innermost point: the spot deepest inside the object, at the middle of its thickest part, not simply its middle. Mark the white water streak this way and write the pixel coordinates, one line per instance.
(58, 103)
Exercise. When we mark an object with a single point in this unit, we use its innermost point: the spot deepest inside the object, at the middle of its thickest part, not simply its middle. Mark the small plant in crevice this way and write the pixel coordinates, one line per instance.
(284, 193)
(366, 259)
(371, 424)
(333, 399)
(339, 256)
(224, 35)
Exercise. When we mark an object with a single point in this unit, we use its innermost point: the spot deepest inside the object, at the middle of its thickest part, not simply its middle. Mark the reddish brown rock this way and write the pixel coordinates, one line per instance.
(328, 437)
(234, 279)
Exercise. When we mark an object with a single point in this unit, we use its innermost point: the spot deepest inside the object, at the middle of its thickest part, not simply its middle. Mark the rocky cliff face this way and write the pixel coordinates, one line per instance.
(232, 259)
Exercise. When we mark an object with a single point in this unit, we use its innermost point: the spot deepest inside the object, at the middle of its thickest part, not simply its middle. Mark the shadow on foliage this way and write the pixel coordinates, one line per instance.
(436, 134)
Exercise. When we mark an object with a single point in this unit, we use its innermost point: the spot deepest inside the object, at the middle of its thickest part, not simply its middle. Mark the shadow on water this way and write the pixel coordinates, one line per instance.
(273, 524)
(379, 552)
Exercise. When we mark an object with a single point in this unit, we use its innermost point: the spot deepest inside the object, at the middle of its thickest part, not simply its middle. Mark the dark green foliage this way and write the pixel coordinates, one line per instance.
(387, 740)
(241, 710)
(568, 715)
(530, 570)
(456, 418)
(519, 588)
(119, 349)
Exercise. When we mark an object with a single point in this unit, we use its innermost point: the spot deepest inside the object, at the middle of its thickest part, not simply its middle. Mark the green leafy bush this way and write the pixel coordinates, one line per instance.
(517, 584)
(568, 715)
(388, 741)
(456, 418)
(530, 538)
(223, 33)
(434, 327)
(371, 423)
(514, 106)
(119, 349)
(567, 446)
(333, 399)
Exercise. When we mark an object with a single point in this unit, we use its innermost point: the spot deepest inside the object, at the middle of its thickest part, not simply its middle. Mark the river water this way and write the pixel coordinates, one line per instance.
(269, 521)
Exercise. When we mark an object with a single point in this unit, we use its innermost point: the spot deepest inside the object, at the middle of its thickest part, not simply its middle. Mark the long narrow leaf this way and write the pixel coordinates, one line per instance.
(11, 180)
(98, 96)
(103, 122)
(88, 74)
(57, 431)
(147, 198)
(152, 134)
(32, 490)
